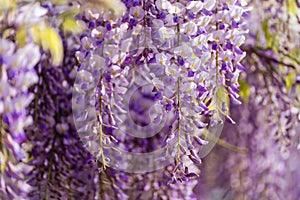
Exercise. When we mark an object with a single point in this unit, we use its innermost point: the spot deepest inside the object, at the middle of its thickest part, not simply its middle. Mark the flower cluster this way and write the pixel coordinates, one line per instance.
(150, 77)
(17, 75)
(268, 122)
(155, 186)
(188, 50)
(260, 172)
(60, 164)
(61, 167)
(256, 168)
(274, 58)
(18, 56)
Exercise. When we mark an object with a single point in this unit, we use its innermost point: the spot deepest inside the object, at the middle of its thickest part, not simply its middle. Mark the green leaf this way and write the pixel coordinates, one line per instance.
(290, 80)
(275, 43)
(222, 96)
(69, 13)
(54, 44)
(21, 36)
(59, 2)
(295, 56)
(7, 5)
(71, 25)
(50, 40)
(292, 7)
(218, 99)
(269, 36)
(244, 90)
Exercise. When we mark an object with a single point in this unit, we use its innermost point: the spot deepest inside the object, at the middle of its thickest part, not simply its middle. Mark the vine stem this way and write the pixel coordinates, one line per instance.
(101, 190)
(101, 146)
(257, 51)
(144, 22)
(49, 172)
(178, 125)
(223, 143)
(100, 125)
(217, 55)
(2, 147)
(177, 161)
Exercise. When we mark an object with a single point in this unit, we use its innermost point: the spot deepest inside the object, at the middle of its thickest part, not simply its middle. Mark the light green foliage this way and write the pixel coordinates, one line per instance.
(50, 40)
(290, 80)
(292, 7)
(244, 90)
(69, 23)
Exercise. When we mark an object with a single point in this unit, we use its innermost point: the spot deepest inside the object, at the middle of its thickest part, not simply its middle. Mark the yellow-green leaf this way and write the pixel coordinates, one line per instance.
(218, 99)
(6, 33)
(290, 80)
(244, 90)
(71, 25)
(21, 37)
(222, 95)
(295, 55)
(298, 91)
(292, 7)
(268, 35)
(59, 2)
(53, 42)
(7, 5)
(50, 40)
(69, 13)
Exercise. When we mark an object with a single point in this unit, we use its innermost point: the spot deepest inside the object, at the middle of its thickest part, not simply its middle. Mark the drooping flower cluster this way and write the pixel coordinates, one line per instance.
(263, 172)
(154, 185)
(17, 75)
(187, 50)
(61, 167)
(273, 57)
(260, 176)
(157, 77)
(18, 56)
(60, 164)
(268, 122)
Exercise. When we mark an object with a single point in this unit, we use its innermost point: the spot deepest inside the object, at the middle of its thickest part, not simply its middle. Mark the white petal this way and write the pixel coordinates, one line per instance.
(195, 6)
(209, 4)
